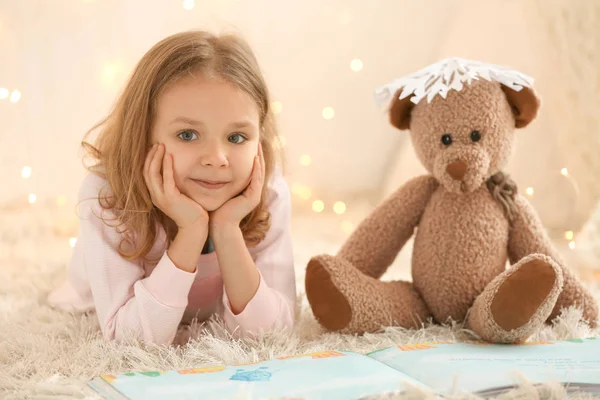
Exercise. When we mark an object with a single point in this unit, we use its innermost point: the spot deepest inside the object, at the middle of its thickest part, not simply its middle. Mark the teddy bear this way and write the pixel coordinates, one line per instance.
(481, 254)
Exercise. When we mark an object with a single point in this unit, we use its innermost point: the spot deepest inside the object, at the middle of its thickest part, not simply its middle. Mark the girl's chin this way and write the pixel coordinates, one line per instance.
(214, 201)
(209, 204)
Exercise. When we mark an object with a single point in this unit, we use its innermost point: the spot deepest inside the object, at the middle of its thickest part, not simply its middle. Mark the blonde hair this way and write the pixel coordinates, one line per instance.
(120, 150)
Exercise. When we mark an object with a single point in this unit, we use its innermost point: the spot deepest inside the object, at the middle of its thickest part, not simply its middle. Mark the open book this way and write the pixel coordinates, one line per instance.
(442, 368)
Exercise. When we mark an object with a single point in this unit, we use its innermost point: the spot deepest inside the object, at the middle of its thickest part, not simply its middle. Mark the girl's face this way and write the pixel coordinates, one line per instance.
(212, 130)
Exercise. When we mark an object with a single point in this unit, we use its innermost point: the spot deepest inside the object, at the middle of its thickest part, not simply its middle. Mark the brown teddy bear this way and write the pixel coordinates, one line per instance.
(469, 220)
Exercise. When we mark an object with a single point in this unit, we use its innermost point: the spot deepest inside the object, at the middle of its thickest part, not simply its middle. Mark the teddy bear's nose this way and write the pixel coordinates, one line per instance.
(457, 170)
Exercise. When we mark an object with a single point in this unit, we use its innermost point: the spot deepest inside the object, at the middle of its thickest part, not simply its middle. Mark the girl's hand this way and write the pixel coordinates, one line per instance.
(165, 195)
(233, 211)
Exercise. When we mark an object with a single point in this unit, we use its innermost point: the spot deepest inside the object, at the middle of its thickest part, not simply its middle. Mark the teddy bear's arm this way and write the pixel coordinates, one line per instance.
(528, 236)
(375, 243)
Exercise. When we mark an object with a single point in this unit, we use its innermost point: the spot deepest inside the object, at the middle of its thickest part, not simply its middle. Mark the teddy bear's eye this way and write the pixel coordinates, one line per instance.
(447, 139)
(475, 136)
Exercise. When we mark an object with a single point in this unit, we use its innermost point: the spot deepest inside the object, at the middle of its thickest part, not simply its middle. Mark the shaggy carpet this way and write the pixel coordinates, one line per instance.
(45, 354)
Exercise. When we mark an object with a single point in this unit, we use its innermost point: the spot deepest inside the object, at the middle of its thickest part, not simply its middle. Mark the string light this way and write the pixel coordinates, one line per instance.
(318, 206)
(72, 241)
(109, 73)
(529, 191)
(305, 160)
(282, 141)
(26, 172)
(347, 226)
(328, 113)
(564, 171)
(301, 191)
(306, 193)
(569, 235)
(61, 200)
(277, 107)
(4, 92)
(339, 207)
(189, 4)
(356, 65)
(32, 198)
(15, 96)
(572, 245)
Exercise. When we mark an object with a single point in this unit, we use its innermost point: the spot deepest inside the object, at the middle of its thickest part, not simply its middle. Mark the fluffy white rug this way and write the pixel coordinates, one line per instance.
(47, 354)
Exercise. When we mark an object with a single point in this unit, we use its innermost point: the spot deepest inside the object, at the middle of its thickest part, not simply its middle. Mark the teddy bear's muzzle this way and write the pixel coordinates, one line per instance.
(460, 170)
(457, 170)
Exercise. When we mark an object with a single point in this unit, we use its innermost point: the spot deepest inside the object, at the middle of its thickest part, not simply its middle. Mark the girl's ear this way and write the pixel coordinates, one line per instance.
(524, 104)
(400, 110)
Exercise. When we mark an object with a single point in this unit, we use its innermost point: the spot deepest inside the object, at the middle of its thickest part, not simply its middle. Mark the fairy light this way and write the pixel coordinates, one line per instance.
(529, 191)
(26, 172)
(4, 92)
(305, 160)
(564, 171)
(302, 191)
(339, 207)
(32, 198)
(305, 193)
(356, 65)
(189, 4)
(282, 141)
(72, 241)
(572, 245)
(15, 96)
(328, 113)
(277, 107)
(347, 226)
(61, 200)
(569, 235)
(318, 206)
(109, 73)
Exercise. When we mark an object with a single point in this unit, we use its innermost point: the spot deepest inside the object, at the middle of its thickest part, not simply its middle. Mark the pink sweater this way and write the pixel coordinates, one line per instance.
(150, 300)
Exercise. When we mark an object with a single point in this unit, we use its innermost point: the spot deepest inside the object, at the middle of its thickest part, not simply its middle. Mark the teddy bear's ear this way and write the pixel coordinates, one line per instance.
(524, 104)
(400, 110)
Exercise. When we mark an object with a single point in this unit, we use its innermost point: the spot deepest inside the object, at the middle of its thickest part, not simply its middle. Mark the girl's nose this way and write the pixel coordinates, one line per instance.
(214, 156)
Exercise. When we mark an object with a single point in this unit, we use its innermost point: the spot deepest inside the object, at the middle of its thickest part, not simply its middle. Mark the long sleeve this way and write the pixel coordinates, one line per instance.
(127, 303)
(274, 301)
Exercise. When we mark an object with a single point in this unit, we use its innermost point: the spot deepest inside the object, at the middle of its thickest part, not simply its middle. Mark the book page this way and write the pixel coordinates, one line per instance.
(474, 367)
(321, 375)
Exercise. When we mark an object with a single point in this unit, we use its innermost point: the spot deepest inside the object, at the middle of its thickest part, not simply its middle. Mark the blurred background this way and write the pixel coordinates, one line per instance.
(63, 62)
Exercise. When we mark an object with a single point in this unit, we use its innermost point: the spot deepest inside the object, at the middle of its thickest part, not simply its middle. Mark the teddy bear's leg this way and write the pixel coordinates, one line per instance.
(518, 301)
(528, 236)
(346, 300)
(575, 294)
(343, 291)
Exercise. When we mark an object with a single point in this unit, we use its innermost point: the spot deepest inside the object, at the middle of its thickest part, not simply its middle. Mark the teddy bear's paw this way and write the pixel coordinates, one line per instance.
(517, 302)
(529, 290)
(330, 307)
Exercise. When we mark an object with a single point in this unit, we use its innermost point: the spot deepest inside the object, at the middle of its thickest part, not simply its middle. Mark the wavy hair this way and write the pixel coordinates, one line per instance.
(119, 151)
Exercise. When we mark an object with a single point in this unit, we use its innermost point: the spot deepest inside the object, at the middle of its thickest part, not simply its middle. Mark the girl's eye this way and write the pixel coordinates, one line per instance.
(236, 138)
(188, 136)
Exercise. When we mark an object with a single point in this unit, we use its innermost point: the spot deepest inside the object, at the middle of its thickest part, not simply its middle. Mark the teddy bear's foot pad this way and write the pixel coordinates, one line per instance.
(518, 301)
(329, 305)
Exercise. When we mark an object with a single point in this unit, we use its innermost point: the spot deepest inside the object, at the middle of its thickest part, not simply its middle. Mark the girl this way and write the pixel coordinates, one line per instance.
(183, 214)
